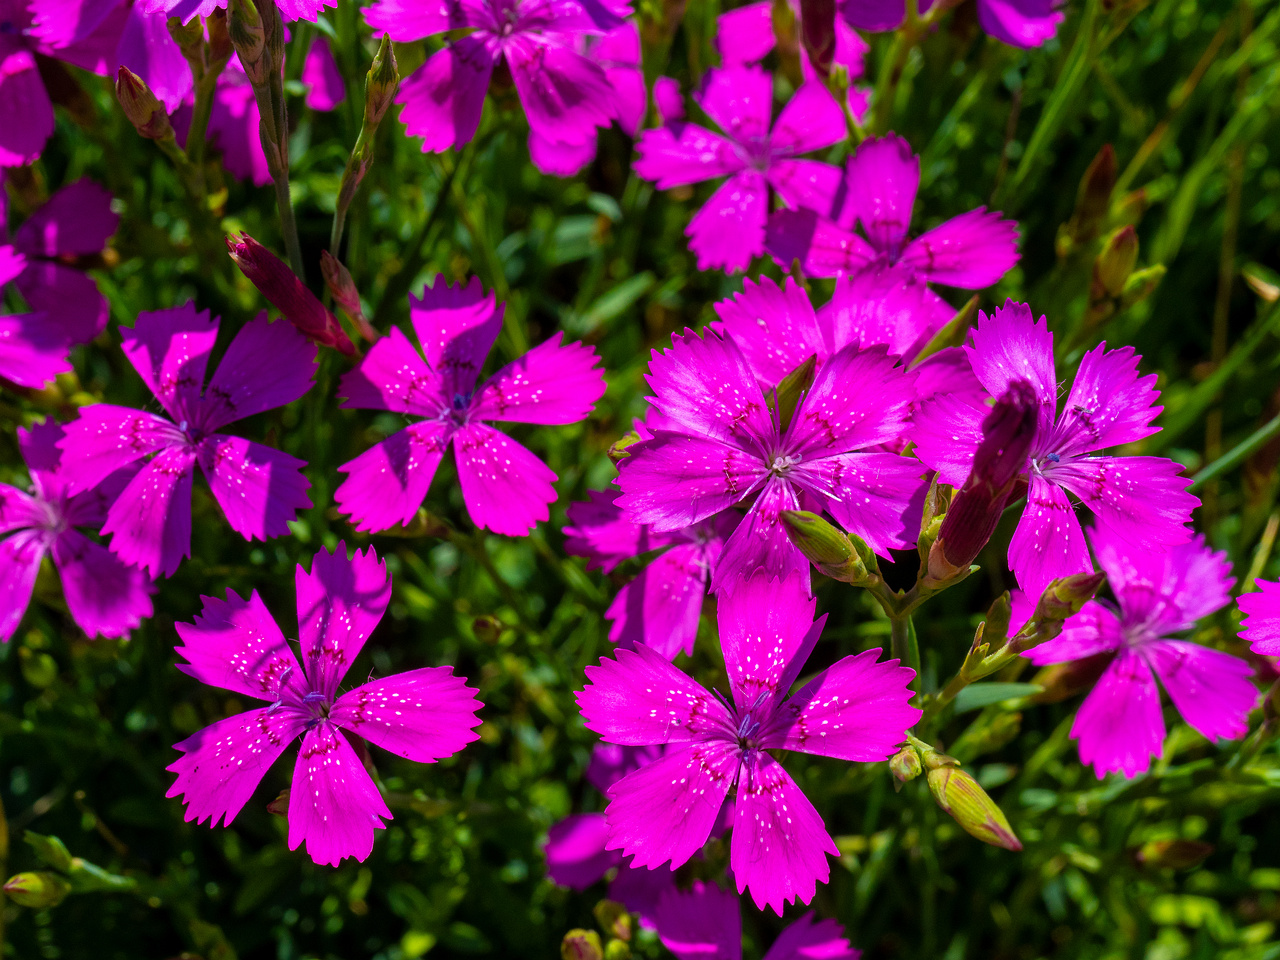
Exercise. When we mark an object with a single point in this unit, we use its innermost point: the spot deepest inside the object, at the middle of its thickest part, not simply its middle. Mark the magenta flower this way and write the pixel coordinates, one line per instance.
(1120, 726)
(972, 250)
(1262, 618)
(422, 715)
(505, 487)
(705, 923)
(32, 350)
(1143, 500)
(259, 489)
(661, 606)
(77, 221)
(325, 88)
(857, 710)
(233, 125)
(1019, 23)
(565, 95)
(720, 445)
(290, 10)
(730, 228)
(104, 596)
(618, 55)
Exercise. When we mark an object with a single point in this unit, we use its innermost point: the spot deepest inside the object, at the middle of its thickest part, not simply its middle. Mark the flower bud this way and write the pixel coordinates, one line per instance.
(1114, 263)
(1263, 281)
(832, 551)
(249, 37)
(1141, 284)
(959, 795)
(905, 765)
(487, 629)
(380, 84)
(188, 36)
(618, 450)
(37, 889)
(818, 33)
(144, 111)
(1093, 202)
(273, 33)
(581, 944)
(341, 287)
(1066, 596)
(288, 294)
(279, 807)
(613, 919)
(1007, 434)
(617, 950)
(220, 47)
(1172, 854)
(51, 851)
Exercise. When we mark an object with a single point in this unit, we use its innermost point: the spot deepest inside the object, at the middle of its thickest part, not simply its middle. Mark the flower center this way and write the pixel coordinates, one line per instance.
(782, 465)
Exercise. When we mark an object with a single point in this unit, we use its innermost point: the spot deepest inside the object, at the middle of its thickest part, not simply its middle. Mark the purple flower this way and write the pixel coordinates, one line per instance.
(290, 10)
(505, 487)
(661, 606)
(705, 923)
(1019, 23)
(75, 222)
(730, 228)
(856, 710)
(32, 350)
(972, 250)
(1120, 726)
(104, 596)
(618, 54)
(259, 489)
(565, 95)
(1262, 618)
(325, 88)
(720, 445)
(1141, 499)
(422, 715)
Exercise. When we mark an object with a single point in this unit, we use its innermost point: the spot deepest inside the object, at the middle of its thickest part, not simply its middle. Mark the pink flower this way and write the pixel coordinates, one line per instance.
(705, 923)
(32, 350)
(184, 10)
(972, 250)
(857, 710)
(1120, 726)
(719, 445)
(1262, 618)
(422, 715)
(325, 89)
(104, 596)
(730, 228)
(661, 606)
(259, 489)
(565, 95)
(505, 487)
(1019, 23)
(1144, 500)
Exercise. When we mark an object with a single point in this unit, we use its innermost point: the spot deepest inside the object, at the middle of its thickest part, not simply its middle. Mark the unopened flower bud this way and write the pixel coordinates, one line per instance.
(617, 950)
(51, 850)
(220, 47)
(1007, 434)
(1114, 263)
(618, 449)
(1093, 201)
(248, 35)
(1263, 281)
(188, 36)
(273, 32)
(999, 615)
(37, 889)
(487, 629)
(581, 944)
(832, 551)
(280, 805)
(1066, 596)
(288, 294)
(1172, 854)
(613, 919)
(818, 33)
(337, 278)
(905, 765)
(959, 795)
(144, 111)
(380, 84)
(1141, 284)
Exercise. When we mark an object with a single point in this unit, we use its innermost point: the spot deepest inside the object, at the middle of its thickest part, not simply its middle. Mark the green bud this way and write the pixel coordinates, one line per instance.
(1093, 201)
(998, 616)
(1141, 284)
(487, 629)
(37, 889)
(1263, 281)
(38, 669)
(220, 47)
(1066, 596)
(581, 944)
(959, 795)
(188, 36)
(280, 805)
(906, 765)
(273, 32)
(141, 106)
(618, 451)
(832, 551)
(614, 919)
(1172, 854)
(1114, 263)
(249, 37)
(51, 851)
(617, 950)
(380, 85)
(786, 396)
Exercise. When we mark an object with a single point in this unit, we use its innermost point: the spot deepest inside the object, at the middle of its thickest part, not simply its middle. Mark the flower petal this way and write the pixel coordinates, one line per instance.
(1048, 542)
(675, 481)
(745, 35)
(860, 398)
(443, 98)
(765, 626)
(554, 383)
(267, 365)
(456, 326)
(739, 100)
(775, 328)
(26, 115)
(235, 644)
(690, 155)
(576, 857)
(660, 608)
(883, 176)
(106, 438)
(394, 376)
(729, 229)
(20, 556)
(105, 596)
(1261, 624)
(824, 248)
(1119, 726)
(565, 96)
(1009, 344)
(972, 251)
(1109, 403)
(877, 496)
(1212, 690)
(811, 120)
(760, 542)
(339, 603)
(32, 351)
(259, 488)
(947, 430)
(1143, 500)
(505, 487)
(603, 534)
(423, 715)
(1019, 23)
(1095, 629)
(150, 521)
(387, 483)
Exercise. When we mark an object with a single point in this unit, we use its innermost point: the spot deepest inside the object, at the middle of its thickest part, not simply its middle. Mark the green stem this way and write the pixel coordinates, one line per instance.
(202, 109)
(274, 130)
(1237, 454)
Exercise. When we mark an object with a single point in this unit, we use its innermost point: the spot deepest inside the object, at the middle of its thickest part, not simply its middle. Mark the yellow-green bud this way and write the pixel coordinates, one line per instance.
(613, 919)
(487, 629)
(51, 850)
(959, 795)
(1172, 854)
(906, 765)
(380, 84)
(617, 950)
(188, 36)
(581, 944)
(280, 805)
(1113, 265)
(618, 451)
(1141, 284)
(141, 106)
(249, 37)
(37, 889)
(832, 551)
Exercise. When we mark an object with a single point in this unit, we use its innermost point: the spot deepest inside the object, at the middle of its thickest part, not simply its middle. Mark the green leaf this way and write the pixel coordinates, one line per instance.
(984, 694)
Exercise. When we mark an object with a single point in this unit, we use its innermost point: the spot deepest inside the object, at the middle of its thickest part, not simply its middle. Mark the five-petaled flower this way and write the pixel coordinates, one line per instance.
(857, 709)
(1120, 726)
(505, 487)
(260, 489)
(422, 715)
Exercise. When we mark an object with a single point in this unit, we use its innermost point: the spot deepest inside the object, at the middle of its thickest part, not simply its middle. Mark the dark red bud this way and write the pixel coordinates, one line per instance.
(288, 294)
(1007, 435)
(818, 33)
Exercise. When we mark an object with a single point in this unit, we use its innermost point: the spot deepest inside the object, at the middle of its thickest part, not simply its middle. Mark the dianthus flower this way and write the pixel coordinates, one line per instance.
(719, 444)
(32, 350)
(1261, 625)
(972, 250)
(259, 489)
(1141, 499)
(565, 95)
(705, 923)
(325, 87)
(661, 606)
(730, 228)
(857, 709)
(1019, 23)
(104, 596)
(184, 10)
(422, 715)
(505, 487)
(1119, 725)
